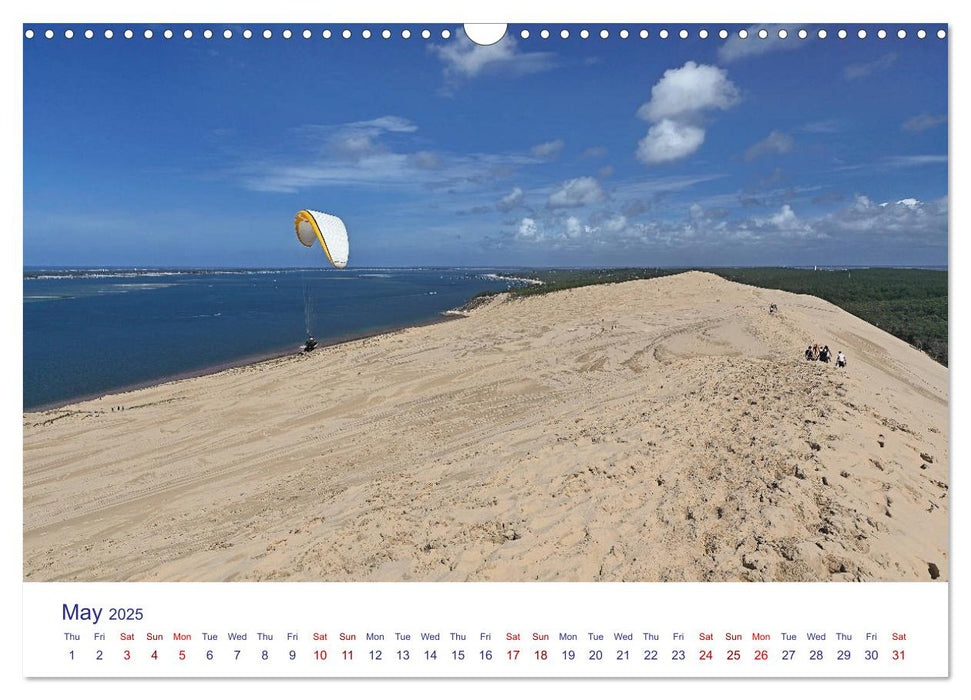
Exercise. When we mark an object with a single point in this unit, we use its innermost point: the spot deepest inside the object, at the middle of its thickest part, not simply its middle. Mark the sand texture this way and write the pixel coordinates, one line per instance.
(656, 430)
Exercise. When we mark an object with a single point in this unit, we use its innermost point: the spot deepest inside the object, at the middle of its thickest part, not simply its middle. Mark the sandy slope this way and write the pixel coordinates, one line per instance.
(652, 430)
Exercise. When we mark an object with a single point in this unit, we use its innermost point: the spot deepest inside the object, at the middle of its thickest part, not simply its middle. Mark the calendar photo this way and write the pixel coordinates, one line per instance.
(588, 303)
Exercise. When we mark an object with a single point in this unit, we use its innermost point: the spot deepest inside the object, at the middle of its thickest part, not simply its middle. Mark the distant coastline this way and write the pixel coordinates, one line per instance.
(95, 271)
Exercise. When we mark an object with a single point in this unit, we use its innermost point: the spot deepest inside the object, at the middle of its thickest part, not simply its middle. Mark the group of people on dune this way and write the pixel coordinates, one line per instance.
(824, 354)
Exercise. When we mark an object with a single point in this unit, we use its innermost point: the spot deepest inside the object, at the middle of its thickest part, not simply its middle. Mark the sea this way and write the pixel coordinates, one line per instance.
(90, 331)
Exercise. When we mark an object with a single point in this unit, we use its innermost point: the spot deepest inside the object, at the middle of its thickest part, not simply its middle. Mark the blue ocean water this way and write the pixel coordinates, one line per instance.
(88, 332)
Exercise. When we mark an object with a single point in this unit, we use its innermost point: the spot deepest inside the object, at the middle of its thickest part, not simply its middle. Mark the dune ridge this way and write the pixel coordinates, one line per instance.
(653, 430)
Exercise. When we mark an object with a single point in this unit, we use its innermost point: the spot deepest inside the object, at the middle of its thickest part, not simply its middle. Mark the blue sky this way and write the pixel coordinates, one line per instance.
(529, 152)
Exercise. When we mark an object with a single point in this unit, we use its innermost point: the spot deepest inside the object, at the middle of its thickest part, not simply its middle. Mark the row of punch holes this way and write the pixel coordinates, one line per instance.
(761, 34)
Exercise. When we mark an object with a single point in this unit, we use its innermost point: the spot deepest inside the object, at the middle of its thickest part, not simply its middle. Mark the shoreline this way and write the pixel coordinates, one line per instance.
(246, 361)
(527, 281)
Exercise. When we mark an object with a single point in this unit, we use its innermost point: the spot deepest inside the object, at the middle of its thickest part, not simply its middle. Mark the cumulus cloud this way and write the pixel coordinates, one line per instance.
(785, 222)
(548, 150)
(511, 201)
(678, 103)
(528, 230)
(669, 140)
(776, 142)
(615, 223)
(576, 193)
(688, 90)
(861, 225)
(922, 122)
(573, 228)
(863, 222)
(553, 230)
(736, 48)
(463, 59)
(856, 71)
(909, 218)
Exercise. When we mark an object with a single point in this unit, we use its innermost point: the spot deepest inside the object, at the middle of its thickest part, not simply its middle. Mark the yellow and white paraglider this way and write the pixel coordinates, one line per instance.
(328, 229)
(315, 226)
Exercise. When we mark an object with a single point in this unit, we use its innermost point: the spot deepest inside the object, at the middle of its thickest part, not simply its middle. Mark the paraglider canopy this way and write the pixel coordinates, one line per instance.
(328, 229)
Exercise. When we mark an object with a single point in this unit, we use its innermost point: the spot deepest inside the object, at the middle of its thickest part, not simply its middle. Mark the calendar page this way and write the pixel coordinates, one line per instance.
(533, 350)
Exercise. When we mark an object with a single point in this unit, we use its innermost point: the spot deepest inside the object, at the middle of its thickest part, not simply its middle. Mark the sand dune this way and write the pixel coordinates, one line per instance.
(653, 430)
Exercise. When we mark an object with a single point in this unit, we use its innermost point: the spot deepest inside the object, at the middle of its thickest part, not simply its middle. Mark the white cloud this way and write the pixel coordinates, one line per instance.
(511, 201)
(776, 142)
(548, 150)
(353, 145)
(669, 140)
(689, 90)
(371, 152)
(615, 224)
(860, 226)
(652, 187)
(574, 229)
(785, 222)
(905, 219)
(463, 59)
(909, 161)
(865, 222)
(678, 102)
(354, 140)
(576, 193)
(855, 71)
(378, 170)
(528, 230)
(387, 123)
(922, 122)
(553, 230)
(420, 170)
(736, 48)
